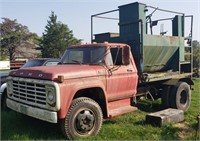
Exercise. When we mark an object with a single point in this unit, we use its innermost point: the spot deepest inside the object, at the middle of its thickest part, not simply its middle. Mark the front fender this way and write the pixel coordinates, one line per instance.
(3, 87)
(70, 87)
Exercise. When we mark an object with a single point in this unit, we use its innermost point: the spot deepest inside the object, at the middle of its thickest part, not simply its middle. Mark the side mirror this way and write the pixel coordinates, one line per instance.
(126, 55)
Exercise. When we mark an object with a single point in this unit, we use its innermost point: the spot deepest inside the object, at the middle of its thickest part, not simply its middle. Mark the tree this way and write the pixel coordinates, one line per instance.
(196, 54)
(30, 48)
(13, 35)
(56, 38)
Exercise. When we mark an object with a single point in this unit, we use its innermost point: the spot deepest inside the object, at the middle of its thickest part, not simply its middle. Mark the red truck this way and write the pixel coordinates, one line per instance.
(96, 81)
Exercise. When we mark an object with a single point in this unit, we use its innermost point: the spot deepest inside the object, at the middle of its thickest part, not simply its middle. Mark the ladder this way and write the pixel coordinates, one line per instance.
(186, 66)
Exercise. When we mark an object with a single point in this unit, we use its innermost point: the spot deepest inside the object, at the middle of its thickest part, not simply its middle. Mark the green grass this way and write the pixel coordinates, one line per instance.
(6, 70)
(131, 126)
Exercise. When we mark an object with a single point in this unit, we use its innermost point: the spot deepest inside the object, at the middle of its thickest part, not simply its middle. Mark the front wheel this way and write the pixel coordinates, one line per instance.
(83, 119)
(180, 97)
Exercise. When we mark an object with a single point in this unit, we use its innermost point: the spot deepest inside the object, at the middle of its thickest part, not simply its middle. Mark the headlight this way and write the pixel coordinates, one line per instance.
(51, 96)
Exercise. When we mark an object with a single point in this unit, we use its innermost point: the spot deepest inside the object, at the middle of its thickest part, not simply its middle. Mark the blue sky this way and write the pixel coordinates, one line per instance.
(76, 13)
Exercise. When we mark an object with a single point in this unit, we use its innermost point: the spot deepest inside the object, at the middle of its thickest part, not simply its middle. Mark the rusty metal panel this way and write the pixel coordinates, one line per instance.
(165, 116)
(160, 52)
(157, 57)
(16, 64)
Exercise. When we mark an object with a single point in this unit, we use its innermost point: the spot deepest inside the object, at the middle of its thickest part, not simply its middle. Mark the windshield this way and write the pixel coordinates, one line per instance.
(33, 63)
(84, 55)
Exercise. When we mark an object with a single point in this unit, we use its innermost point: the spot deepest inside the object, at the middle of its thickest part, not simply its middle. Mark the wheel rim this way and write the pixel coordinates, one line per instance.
(183, 97)
(84, 121)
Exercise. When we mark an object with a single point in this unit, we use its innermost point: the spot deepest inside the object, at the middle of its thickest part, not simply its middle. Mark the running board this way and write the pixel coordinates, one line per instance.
(121, 110)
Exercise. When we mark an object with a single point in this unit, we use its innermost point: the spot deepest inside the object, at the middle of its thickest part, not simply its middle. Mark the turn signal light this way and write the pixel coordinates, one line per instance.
(60, 78)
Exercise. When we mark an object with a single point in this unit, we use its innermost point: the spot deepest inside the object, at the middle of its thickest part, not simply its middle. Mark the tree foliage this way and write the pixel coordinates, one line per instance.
(196, 54)
(56, 38)
(13, 35)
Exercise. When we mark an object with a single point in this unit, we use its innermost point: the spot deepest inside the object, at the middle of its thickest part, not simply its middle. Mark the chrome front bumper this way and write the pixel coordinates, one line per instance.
(32, 111)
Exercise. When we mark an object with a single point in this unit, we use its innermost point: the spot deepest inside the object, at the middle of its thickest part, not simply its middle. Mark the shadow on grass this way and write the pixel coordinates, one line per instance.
(169, 132)
(141, 122)
(196, 127)
(149, 106)
(16, 126)
(109, 121)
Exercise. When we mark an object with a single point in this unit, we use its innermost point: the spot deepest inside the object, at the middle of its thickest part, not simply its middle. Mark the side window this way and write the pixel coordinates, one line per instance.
(110, 59)
(116, 54)
(51, 63)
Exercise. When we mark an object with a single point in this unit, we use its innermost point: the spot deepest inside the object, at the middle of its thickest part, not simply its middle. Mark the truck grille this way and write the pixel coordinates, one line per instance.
(33, 92)
(29, 92)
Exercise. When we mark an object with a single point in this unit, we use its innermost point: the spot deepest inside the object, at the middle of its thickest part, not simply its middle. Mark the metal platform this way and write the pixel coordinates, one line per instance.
(165, 116)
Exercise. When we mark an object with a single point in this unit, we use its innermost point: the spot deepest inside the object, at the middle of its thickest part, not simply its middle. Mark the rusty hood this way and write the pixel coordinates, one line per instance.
(52, 72)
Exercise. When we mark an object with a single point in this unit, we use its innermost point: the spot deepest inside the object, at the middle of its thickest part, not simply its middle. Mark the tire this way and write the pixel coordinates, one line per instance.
(83, 119)
(180, 97)
(165, 96)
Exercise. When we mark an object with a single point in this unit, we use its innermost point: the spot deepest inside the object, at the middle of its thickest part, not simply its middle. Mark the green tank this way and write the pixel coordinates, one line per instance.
(152, 53)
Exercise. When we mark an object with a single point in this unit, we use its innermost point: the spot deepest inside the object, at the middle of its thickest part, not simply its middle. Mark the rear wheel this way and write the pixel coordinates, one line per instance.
(83, 119)
(180, 97)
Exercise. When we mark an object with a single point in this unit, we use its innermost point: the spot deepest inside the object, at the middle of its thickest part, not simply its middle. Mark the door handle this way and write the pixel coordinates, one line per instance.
(129, 70)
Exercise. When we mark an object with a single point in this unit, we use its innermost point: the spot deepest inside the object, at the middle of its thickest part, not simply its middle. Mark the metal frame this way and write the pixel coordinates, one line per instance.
(147, 6)
(97, 16)
(182, 65)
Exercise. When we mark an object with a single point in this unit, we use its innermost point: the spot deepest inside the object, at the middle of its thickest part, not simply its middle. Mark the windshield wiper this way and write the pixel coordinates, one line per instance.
(76, 61)
(71, 62)
(100, 62)
(66, 63)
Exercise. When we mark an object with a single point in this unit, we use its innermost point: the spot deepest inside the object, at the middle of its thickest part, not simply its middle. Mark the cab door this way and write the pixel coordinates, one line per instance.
(121, 78)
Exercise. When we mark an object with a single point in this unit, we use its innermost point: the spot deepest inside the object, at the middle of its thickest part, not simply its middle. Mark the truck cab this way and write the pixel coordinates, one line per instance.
(89, 77)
